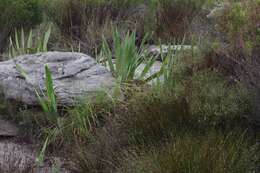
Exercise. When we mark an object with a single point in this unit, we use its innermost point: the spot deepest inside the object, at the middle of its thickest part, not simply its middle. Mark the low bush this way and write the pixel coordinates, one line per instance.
(151, 117)
(87, 21)
(197, 154)
(240, 21)
(17, 14)
(238, 56)
(171, 18)
(212, 100)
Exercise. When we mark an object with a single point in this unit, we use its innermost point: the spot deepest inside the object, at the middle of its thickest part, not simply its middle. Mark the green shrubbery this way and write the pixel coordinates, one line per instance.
(213, 153)
(87, 21)
(17, 14)
(84, 22)
(128, 58)
(173, 17)
(240, 20)
(196, 120)
(20, 13)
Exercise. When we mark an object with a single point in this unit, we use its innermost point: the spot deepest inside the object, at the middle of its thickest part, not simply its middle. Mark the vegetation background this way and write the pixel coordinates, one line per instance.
(205, 117)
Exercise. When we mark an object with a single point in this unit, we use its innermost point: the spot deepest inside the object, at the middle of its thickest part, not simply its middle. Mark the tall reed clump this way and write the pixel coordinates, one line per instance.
(124, 58)
(48, 101)
(28, 44)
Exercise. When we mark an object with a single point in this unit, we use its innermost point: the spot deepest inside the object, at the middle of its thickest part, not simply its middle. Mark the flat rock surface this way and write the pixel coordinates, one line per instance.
(15, 157)
(74, 75)
(7, 129)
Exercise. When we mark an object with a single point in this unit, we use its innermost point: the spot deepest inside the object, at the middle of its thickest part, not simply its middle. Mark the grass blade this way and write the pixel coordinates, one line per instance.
(50, 89)
(46, 40)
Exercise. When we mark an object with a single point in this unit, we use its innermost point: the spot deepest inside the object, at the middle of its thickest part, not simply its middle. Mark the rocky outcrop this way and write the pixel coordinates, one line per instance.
(75, 75)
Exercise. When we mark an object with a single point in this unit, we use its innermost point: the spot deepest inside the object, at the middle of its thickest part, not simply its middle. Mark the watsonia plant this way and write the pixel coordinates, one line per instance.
(125, 57)
(22, 44)
(48, 101)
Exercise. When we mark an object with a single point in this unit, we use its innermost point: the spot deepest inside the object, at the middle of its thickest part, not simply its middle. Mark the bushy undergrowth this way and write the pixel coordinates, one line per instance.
(185, 154)
(87, 21)
(154, 131)
(238, 56)
(84, 22)
(20, 13)
(17, 14)
(201, 118)
(173, 17)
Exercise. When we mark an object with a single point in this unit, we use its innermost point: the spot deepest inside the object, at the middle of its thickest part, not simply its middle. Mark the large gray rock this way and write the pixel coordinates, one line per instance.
(75, 75)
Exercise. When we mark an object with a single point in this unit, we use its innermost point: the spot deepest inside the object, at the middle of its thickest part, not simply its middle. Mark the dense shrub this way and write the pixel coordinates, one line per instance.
(87, 21)
(238, 57)
(173, 17)
(213, 153)
(180, 125)
(240, 20)
(20, 13)
(151, 117)
(16, 14)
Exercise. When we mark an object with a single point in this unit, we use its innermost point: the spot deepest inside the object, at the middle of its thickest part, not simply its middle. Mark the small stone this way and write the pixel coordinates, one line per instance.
(15, 157)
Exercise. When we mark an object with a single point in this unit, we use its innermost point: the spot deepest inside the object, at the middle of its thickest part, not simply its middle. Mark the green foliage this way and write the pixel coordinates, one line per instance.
(240, 21)
(40, 158)
(87, 9)
(171, 18)
(209, 97)
(48, 102)
(85, 116)
(212, 101)
(177, 126)
(128, 57)
(22, 44)
(20, 13)
(213, 153)
(152, 115)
